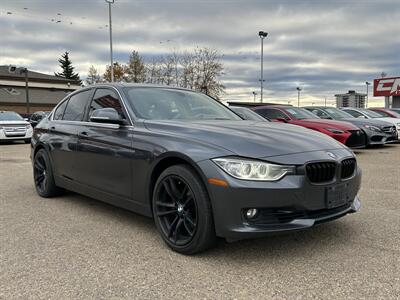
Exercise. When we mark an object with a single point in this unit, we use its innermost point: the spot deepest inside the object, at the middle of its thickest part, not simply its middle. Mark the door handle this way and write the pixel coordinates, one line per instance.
(84, 133)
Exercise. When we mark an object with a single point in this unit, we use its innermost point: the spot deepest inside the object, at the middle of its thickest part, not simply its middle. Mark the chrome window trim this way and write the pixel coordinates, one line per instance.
(93, 124)
(95, 88)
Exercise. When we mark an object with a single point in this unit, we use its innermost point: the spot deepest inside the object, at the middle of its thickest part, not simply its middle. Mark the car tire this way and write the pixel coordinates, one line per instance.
(43, 175)
(182, 211)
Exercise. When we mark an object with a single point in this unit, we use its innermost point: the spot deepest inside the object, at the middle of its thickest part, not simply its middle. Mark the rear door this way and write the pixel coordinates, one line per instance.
(105, 150)
(63, 137)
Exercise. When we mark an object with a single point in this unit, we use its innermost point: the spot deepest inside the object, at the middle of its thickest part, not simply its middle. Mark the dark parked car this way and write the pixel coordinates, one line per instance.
(36, 117)
(377, 132)
(192, 164)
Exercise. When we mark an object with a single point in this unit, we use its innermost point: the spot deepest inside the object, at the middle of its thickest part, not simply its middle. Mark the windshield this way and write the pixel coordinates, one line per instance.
(370, 113)
(301, 113)
(10, 116)
(337, 113)
(247, 114)
(174, 104)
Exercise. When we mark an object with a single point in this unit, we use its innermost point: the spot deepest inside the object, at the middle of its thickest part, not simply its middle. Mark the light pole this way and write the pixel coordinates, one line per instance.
(262, 35)
(325, 101)
(254, 94)
(367, 84)
(25, 71)
(298, 95)
(111, 47)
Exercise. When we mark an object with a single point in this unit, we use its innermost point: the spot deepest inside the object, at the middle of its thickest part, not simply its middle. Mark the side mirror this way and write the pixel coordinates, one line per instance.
(106, 115)
(281, 120)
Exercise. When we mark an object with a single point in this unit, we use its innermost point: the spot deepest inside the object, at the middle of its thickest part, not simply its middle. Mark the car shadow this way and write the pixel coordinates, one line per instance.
(270, 247)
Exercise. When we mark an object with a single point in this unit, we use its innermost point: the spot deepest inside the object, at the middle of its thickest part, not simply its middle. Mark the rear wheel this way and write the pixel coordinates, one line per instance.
(182, 211)
(43, 175)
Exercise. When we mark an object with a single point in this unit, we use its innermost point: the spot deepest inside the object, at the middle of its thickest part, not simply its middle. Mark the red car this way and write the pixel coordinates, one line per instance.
(385, 112)
(344, 132)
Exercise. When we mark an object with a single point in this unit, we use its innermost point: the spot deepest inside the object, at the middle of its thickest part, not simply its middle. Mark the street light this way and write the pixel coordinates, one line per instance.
(298, 95)
(25, 71)
(367, 84)
(262, 36)
(111, 47)
(254, 94)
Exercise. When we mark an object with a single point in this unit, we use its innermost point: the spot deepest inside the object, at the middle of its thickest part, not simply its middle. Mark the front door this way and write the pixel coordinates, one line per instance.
(104, 151)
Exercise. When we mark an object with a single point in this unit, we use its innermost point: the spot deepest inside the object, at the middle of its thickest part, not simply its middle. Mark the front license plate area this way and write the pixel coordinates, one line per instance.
(337, 195)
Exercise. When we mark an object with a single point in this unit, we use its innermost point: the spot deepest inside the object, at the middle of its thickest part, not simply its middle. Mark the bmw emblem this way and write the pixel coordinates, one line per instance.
(330, 154)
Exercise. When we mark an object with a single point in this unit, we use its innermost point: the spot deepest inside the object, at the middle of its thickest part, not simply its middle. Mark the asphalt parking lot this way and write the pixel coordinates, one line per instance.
(75, 247)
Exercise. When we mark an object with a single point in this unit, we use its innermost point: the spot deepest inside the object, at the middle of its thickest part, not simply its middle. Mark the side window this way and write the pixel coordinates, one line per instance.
(320, 113)
(58, 114)
(106, 98)
(75, 109)
(354, 113)
(272, 114)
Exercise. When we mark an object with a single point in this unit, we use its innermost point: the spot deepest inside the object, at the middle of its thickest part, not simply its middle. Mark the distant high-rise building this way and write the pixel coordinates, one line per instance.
(351, 99)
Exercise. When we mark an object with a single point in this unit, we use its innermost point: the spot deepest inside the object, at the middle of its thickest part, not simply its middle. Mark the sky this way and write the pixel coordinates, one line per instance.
(325, 47)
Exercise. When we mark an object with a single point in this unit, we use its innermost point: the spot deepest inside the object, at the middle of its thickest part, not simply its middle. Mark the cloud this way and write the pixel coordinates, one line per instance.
(326, 47)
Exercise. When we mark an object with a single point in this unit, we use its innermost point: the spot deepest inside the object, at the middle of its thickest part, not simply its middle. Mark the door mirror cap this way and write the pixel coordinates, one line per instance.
(106, 115)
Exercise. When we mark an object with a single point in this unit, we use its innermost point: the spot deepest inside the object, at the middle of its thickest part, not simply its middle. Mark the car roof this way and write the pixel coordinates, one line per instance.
(137, 85)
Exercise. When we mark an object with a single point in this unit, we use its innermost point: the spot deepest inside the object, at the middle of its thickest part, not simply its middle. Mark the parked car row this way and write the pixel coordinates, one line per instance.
(356, 128)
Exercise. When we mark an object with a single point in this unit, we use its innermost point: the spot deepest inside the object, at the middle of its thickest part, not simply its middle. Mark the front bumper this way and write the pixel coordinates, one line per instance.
(292, 203)
(14, 136)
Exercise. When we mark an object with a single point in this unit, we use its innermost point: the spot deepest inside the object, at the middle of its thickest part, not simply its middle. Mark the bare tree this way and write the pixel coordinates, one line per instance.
(188, 62)
(93, 76)
(167, 70)
(208, 70)
(153, 70)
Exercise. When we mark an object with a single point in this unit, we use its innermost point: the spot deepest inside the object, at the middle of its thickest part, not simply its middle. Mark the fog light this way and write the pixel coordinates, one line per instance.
(251, 213)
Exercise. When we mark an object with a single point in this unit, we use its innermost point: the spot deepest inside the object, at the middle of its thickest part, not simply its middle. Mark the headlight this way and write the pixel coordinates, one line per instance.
(252, 169)
(28, 126)
(373, 128)
(336, 131)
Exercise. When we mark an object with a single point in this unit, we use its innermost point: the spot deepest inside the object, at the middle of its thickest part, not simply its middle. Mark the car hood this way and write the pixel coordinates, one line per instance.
(371, 122)
(328, 124)
(393, 121)
(22, 122)
(248, 138)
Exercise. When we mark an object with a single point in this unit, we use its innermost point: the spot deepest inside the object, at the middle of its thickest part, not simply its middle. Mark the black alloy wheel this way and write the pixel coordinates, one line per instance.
(176, 210)
(182, 210)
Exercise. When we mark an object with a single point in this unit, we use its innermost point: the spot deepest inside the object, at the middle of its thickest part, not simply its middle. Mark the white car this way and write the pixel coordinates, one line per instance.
(13, 127)
(369, 114)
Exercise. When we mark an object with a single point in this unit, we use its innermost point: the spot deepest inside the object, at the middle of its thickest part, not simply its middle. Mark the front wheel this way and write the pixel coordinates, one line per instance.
(182, 211)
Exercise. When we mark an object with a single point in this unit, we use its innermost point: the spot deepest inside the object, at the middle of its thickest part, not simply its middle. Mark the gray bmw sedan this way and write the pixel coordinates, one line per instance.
(192, 164)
